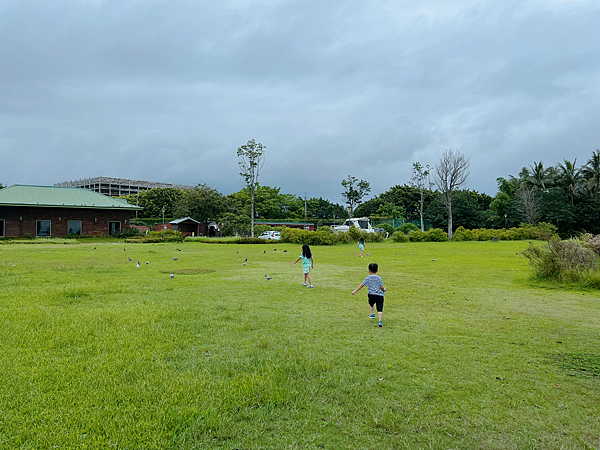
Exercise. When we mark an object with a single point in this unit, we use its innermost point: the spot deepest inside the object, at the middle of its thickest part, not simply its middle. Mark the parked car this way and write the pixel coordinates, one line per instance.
(361, 223)
(271, 235)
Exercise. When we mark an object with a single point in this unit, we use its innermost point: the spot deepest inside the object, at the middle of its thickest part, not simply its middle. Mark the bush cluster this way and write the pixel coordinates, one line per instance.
(592, 242)
(543, 231)
(432, 235)
(253, 240)
(399, 236)
(325, 236)
(407, 228)
(157, 236)
(127, 233)
(570, 260)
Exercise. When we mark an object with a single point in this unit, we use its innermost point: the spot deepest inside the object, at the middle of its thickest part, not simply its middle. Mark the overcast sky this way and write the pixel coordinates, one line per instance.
(162, 90)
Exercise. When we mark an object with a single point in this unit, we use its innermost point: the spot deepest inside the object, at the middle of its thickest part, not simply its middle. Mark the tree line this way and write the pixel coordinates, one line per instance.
(565, 195)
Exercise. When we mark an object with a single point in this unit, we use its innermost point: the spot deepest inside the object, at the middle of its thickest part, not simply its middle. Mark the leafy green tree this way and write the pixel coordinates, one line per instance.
(203, 203)
(235, 224)
(588, 212)
(470, 209)
(557, 209)
(2, 186)
(251, 158)
(368, 208)
(354, 191)
(153, 200)
(591, 172)
(390, 210)
(322, 209)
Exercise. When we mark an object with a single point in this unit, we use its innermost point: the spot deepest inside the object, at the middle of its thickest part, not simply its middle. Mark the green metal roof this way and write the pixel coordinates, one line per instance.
(49, 196)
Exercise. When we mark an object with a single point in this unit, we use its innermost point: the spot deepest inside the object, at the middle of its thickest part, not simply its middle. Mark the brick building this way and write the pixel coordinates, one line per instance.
(57, 211)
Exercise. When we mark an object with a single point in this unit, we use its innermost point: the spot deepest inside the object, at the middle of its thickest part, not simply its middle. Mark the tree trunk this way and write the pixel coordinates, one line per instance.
(422, 201)
(450, 218)
(252, 212)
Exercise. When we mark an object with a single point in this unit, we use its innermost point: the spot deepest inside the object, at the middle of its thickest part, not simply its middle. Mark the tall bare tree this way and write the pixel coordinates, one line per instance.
(529, 204)
(451, 172)
(421, 179)
(251, 158)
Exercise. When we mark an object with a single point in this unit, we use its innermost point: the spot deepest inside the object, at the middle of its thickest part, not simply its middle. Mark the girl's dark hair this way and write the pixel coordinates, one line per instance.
(306, 251)
(362, 240)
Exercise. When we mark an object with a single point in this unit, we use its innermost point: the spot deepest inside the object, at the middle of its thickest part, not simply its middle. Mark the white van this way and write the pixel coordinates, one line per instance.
(361, 223)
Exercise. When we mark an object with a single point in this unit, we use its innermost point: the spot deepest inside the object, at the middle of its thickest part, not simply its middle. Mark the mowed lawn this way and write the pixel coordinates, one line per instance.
(473, 355)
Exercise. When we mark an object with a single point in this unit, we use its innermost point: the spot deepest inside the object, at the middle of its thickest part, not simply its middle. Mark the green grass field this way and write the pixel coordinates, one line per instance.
(473, 355)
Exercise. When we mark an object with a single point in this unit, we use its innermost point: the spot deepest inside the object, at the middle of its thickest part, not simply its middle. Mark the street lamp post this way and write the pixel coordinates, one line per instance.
(505, 221)
(163, 211)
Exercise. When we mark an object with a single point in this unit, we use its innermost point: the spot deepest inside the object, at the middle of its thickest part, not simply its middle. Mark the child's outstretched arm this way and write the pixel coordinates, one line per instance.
(295, 261)
(312, 263)
(360, 286)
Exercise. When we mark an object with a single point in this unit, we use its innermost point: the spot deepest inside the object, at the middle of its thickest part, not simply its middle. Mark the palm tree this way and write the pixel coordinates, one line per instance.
(540, 177)
(591, 172)
(536, 176)
(569, 178)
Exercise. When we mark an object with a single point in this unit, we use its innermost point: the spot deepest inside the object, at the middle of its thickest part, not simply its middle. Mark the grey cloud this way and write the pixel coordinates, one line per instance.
(167, 91)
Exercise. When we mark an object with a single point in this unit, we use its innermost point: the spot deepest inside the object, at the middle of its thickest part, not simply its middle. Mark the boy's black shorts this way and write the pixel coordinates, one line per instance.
(376, 299)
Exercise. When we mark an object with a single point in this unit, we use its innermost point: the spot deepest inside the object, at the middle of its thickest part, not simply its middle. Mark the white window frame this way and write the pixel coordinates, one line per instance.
(80, 226)
(36, 227)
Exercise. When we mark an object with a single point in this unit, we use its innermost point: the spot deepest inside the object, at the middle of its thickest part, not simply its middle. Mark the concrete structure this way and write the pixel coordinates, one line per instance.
(46, 211)
(116, 187)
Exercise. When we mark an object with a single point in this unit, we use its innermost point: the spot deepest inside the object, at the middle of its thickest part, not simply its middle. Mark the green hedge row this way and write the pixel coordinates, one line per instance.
(325, 236)
(157, 236)
(542, 231)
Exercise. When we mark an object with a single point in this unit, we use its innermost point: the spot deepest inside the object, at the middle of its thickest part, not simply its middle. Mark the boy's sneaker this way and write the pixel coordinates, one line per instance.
(310, 285)
(303, 284)
(372, 316)
(380, 324)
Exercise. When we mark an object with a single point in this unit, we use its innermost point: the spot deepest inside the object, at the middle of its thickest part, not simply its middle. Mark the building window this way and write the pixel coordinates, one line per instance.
(1, 227)
(74, 227)
(114, 227)
(43, 228)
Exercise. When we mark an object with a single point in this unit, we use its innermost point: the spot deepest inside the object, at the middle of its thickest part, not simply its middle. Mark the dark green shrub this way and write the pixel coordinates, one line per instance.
(388, 228)
(127, 233)
(254, 240)
(323, 236)
(462, 234)
(354, 233)
(372, 237)
(343, 238)
(399, 236)
(407, 228)
(436, 235)
(417, 236)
